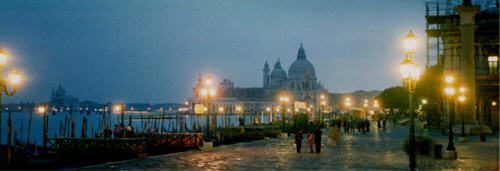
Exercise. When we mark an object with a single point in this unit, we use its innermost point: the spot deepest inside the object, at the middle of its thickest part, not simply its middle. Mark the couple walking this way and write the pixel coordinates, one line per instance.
(311, 137)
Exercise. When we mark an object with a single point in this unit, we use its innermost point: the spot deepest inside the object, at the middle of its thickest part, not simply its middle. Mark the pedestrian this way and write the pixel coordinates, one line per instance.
(310, 142)
(367, 125)
(298, 140)
(116, 131)
(130, 131)
(317, 139)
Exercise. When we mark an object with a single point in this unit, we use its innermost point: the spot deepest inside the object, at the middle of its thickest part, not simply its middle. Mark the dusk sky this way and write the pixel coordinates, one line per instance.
(153, 51)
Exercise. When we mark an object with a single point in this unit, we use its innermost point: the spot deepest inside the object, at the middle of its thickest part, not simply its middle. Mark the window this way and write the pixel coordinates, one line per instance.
(493, 65)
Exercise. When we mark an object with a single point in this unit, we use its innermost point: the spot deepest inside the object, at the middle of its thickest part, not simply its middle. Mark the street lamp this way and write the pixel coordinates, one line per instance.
(14, 79)
(43, 109)
(410, 74)
(461, 100)
(322, 103)
(450, 92)
(121, 108)
(208, 92)
(365, 105)
(284, 100)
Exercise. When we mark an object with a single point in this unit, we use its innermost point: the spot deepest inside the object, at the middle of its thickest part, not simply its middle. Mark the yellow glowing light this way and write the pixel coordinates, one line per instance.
(284, 99)
(221, 109)
(323, 103)
(212, 92)
(288, 110)
(493, 103)
(449, 91)
(118, 107)
(308, 109)
(461, 89)
(424, 101)
(186, 103)
(238, 108)
(366, 100)
(3, 57)
(14, 78)
(449, 79)
(204, 92)
(322, 96)
(409, 70)
(461, 98)
(365, 105)
(410, 42)
(296, 110)
(268, 109)
(492, 58)
(208, 82)
(41, 109)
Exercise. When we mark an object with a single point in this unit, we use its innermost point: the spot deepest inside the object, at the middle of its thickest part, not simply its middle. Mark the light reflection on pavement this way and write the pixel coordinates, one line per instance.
(376, 150)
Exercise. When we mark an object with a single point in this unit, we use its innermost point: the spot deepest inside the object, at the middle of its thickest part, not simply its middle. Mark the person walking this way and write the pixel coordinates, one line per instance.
(310, 142)
(116, 132)
(298, 140)
(317, 139)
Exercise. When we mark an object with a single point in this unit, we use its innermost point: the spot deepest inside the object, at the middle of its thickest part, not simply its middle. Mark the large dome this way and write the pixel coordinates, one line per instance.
(301, 66)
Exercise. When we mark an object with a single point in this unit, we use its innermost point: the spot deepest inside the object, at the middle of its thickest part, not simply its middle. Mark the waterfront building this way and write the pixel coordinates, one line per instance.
(300, 83)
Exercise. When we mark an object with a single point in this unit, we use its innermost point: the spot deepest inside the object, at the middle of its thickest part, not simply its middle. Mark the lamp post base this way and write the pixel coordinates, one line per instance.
(462, 139)
(450, 155)
(208, 146)
(284, 135)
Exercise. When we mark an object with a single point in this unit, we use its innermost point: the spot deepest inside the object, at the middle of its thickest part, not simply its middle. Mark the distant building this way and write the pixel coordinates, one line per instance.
(60, 101)
(300, 83)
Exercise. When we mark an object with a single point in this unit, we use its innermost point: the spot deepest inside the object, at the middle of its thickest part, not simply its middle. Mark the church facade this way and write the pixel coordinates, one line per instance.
(60, 101)
(300, 83)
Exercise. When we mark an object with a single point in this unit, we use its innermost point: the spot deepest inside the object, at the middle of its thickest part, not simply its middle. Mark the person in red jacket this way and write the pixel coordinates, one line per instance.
(310, 142)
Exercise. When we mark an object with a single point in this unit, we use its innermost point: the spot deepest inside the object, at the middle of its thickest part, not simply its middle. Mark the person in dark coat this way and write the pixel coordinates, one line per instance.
(298, 140)
(317, 139)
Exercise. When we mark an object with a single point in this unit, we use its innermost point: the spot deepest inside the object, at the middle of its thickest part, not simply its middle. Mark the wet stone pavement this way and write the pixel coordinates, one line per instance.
(376, 150)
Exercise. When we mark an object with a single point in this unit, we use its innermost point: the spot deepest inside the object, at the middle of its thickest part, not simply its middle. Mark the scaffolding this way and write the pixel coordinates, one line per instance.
(441, 17)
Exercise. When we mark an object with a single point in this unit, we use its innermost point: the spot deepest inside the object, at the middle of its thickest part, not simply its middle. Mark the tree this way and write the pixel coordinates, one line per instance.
(394, 98)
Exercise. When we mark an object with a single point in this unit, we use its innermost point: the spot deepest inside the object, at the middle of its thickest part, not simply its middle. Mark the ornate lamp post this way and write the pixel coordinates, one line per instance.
(121, 108)
(284, 100)
(43, 110)
(347, 104)
(239, 110)
(450, 92)
(461, 100)
(322, 98)
(410, 74)
(208, 92)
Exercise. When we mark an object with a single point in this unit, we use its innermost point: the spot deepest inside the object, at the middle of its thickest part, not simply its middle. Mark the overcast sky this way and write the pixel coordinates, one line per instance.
(152, 51)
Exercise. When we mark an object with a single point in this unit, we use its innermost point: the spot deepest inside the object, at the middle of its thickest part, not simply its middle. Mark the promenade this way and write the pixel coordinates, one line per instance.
(376, 150)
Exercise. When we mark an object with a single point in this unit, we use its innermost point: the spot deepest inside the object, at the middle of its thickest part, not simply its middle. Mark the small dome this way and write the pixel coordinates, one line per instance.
(278, 73)
(60, 92)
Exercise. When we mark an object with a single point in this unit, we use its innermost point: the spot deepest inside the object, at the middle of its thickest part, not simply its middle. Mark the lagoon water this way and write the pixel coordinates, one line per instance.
(20, 121)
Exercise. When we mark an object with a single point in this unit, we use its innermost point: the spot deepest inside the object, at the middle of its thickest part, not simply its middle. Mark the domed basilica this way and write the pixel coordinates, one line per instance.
(301, 76)
(300, 81)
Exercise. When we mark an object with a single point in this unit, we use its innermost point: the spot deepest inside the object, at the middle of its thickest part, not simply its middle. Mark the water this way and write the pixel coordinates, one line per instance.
(20, 121)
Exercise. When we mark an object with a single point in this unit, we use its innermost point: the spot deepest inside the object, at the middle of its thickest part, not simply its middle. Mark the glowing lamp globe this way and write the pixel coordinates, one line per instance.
(15, 78)
(410, 42)
(3, 57)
